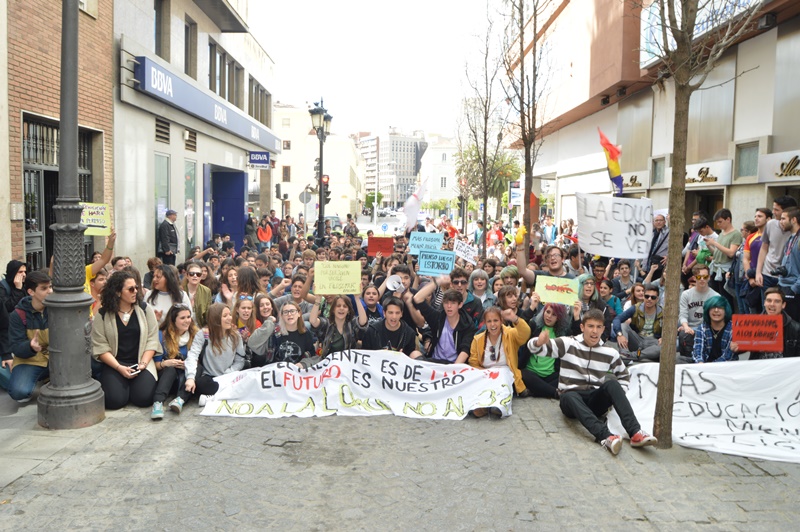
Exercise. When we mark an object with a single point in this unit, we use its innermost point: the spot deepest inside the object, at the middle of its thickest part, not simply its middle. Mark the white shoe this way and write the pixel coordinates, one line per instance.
(201, 401)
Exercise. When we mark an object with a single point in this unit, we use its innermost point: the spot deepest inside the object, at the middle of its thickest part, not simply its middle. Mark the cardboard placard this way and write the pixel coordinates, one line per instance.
(382, 244)
(465, 251)
(337, 277)
(615, 227)
(420, 241)
(97, 219)
(557, 290)
(758, 332)
(435, 263)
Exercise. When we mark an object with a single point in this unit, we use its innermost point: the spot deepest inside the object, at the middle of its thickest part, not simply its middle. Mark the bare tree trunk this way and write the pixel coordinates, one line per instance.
(662, 427)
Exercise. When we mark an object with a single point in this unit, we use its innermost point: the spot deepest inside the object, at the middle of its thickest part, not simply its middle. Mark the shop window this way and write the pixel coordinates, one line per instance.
(287, 144)
(287, 174)
(161, 28)
(747, 160)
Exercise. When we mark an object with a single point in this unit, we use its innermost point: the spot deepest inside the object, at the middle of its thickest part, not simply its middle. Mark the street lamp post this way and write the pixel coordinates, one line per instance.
(321, 121)
(72, 399)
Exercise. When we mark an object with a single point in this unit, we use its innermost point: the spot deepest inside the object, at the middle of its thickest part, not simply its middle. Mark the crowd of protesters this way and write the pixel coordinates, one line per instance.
(169, 329)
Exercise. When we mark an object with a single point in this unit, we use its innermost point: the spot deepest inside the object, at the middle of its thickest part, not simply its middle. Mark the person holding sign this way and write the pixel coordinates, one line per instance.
(498, 346)
(452, 329)
(585, 385)
(590, 299)
(342, 330)
(540, 373)
(775, 305)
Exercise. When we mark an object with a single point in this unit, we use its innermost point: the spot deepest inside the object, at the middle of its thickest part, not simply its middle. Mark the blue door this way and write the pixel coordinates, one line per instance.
(229, 204)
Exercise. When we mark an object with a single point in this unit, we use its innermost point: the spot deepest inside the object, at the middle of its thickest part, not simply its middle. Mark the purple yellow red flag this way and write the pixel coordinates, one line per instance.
(612, 158)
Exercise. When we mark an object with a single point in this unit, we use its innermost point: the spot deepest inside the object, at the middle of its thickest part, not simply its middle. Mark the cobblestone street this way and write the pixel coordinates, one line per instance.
(534, 470)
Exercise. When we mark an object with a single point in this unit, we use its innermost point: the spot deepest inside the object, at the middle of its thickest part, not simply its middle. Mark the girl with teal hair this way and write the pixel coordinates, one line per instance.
(712, 340)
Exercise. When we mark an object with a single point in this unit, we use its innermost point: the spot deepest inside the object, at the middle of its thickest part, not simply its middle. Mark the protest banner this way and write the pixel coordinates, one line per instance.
(465, 251)
(362, 383)
(97, 219)
(758, 332)
(614, 226)
(424, 241)
(337, 277)
(557, 290)
(382, 244)
(747, 408)
(435, 263)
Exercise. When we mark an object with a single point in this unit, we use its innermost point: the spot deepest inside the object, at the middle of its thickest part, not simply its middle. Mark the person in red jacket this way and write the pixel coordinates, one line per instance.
(264, 234)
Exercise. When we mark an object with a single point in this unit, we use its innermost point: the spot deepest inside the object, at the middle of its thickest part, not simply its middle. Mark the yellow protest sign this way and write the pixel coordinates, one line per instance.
(97, 219)
(337, 277)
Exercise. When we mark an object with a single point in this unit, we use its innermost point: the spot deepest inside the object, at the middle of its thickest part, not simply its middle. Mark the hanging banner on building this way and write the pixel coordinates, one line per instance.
(748, 408)
(97, 219)
(614, 227)
(362, 383)
(435, 263)
(465, 251)
(337, 277)
(424, 241)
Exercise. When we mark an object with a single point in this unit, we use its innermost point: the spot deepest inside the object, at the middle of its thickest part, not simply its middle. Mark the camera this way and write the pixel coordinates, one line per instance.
(780, 271)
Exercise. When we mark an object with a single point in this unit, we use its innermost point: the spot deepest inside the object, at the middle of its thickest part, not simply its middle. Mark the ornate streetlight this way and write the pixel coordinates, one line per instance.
(321, 122)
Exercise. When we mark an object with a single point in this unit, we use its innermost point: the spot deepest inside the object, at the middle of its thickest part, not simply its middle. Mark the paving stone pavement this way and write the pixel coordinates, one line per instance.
(533, 471)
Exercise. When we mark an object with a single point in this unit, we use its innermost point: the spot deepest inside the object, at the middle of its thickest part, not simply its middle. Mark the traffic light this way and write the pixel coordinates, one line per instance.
(327, 193)
(278, 191)
(325, 180)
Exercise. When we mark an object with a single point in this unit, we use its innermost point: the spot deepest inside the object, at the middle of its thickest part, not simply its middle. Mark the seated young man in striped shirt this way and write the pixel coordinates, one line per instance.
(585, 384)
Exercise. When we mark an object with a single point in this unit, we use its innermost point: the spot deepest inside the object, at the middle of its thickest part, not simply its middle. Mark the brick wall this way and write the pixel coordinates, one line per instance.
(34, 59)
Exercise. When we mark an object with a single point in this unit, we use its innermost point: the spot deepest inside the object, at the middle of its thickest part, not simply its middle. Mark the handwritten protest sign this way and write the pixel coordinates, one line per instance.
(362, 383)
(337, 277)
(747, 408)
(557, 290)
(758, 332)
(465, 251)
(420, 240)
(435, 263)
(382, 244)
(615, 227)
(97, 219)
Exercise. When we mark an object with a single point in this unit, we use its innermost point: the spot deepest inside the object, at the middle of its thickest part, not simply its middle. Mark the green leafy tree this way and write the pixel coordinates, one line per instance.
(371, 198)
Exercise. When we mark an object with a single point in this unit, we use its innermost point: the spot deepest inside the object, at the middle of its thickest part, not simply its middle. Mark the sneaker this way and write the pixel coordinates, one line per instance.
(176, 405)
(201, 401)
(479, 412)
(613, 443)
(158, 411)
(643, 439)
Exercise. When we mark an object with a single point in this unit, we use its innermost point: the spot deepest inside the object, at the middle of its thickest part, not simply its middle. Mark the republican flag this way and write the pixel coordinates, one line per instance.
(612, 158)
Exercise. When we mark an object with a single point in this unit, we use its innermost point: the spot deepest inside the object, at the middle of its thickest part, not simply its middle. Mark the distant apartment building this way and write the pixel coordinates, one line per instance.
(399, 164)
(743, 136)
(439, 170)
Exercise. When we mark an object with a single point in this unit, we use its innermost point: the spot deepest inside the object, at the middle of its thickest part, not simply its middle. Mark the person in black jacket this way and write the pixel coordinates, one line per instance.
(452, 328)
(774, 304)
(11, 292)
(168, 242)
(392, 332)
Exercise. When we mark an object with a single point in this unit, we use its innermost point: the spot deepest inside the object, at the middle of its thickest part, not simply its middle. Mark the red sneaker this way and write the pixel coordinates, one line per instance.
(643, 439)
(613, 443)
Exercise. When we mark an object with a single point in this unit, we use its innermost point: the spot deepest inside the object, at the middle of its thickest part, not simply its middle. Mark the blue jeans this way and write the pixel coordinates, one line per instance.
(5, 377)
(23, 380)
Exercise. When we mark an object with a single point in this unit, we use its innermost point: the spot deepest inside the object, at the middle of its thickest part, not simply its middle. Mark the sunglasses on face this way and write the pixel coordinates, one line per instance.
(195, 274)
(651, 297)
(701, 277)
(132, 289)
(459, 282)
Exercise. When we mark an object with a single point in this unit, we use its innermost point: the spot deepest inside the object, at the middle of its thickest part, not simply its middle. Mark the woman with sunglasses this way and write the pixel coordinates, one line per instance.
(125, 338)
(287, 341)
(178, 335)
(499, 345)
(341, 330)
(199, 296)
(224, 353)
(166, 291)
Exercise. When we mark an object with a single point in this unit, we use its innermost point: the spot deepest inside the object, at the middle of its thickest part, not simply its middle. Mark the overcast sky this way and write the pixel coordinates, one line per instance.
(376, 63)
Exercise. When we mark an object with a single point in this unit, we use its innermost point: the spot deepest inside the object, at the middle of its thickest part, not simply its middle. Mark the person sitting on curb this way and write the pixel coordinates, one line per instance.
(391, 332)
(586, 383)
(452, 329)
(775, 304)
(498, 346)
(641, 338)
(28, 338)
(712, 339)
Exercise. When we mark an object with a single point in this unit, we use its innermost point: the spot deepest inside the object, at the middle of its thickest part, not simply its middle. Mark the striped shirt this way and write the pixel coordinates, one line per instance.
(582, 367)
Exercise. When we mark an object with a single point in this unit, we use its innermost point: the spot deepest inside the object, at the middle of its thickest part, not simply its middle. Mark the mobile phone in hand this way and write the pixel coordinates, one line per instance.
(135, 368)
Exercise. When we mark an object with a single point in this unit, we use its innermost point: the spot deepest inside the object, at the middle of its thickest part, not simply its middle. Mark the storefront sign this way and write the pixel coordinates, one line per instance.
(634, 181)
(158, 82)
(258, 159)
(715, 173)
(783, 166)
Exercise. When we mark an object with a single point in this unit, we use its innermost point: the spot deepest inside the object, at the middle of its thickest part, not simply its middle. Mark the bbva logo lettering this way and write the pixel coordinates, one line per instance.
(259, 157)
(161, 82)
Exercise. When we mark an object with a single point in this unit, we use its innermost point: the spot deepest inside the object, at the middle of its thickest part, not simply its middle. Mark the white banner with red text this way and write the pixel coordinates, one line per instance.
(746, 408)
(362, 383)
